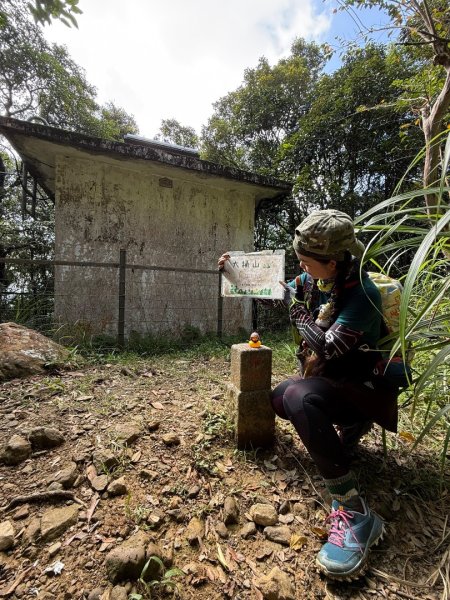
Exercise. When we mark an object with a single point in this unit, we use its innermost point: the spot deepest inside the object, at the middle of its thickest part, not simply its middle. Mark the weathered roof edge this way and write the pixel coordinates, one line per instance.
(9, 125)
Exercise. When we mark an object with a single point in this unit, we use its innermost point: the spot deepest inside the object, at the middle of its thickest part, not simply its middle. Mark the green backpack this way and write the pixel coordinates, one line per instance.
(394, 367)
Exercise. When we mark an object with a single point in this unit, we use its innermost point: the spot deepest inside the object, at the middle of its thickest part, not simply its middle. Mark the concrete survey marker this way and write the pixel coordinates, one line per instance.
(249, 391)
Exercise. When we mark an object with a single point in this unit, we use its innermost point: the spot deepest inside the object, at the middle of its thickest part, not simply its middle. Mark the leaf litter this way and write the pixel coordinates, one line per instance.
(193, 479)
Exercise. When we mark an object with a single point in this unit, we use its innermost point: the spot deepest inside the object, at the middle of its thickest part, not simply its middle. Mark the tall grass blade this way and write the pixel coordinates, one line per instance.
(431, 424)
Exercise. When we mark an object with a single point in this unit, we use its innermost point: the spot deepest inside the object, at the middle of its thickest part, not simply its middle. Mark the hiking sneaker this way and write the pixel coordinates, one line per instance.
(351, 535)
(350, 435)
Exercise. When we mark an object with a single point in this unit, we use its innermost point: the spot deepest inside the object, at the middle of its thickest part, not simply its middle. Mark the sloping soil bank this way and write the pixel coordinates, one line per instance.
(167, 427)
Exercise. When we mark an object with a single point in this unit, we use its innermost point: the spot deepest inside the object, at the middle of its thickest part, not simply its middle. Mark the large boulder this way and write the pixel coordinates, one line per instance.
(25, 352)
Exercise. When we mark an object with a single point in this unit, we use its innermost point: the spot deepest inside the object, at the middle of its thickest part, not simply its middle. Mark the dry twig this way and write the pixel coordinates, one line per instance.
(405, 582)
(42, 496)
(12, 587)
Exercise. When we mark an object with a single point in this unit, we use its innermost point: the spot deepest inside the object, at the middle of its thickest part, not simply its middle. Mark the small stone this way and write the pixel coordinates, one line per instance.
(153, 425)
(54, 549)
(248, 530)
(100, 482)
(171, 439)
(66, 477)
(81, 456)
(44, 438)
(95, 594)
(56, 521)
(6, 535)
(16, 451)
(286, 519)
(117, 487)
(155, 519)
(280, 534)
(127, 433)
(177, 515)
(264, 514)
(118, 593)
(167, 555)
(104, 459)
(55, 486)
(222, 530)
(230, 511)
(32, 531)
(300, 509)
(276, 586)
(194, 531)
(148, 475)
(127, 560)
(193, 491)
(21, 513)
(285, 507)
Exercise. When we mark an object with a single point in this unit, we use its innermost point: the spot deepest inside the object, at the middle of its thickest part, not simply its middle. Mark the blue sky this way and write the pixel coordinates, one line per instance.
(161, 60)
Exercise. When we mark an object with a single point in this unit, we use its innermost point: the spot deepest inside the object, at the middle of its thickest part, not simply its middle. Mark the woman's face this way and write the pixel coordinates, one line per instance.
(317, 269)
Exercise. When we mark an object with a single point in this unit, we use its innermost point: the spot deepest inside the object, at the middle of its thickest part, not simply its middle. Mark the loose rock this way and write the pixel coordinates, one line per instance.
(127, 433)
(32, 531)
(16, 450)
(44, 438)
(193, 491)
(25, 352)
(230, 511)
(6, 535)
(66, 477)
(194, 531)
(280, 534)
(171, 439)
(127, 560)
(56, 521)
(118, 593)
(104, 459)
(54, 549)
(276, 586)
(148, 475)
(247, 530)
(117, 487)
(264, 514)
(100, 483)
(21, 513)
(222, 530)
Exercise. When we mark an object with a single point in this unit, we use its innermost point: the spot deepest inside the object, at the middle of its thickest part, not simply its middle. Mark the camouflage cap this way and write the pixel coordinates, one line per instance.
(327, 234)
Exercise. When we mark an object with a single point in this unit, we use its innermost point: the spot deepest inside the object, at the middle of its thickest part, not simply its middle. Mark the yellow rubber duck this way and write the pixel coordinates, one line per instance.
(255, 340)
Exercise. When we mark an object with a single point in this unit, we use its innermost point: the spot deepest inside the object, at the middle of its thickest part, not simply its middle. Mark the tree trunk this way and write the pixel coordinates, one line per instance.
(432, 126)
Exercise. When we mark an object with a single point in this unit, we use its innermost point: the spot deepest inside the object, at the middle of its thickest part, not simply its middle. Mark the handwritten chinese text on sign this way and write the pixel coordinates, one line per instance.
(254, 275)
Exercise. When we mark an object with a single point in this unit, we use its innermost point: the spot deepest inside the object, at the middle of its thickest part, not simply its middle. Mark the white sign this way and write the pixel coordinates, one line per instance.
(254, 275)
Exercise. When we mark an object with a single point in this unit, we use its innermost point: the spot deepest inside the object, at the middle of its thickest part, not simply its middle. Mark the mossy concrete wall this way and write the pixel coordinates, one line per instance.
(162, 216)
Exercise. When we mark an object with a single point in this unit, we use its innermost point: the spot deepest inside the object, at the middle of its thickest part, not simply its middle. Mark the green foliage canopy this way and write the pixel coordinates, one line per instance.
(172, 132)
(43, 11)
(423, 28)
(249, 125)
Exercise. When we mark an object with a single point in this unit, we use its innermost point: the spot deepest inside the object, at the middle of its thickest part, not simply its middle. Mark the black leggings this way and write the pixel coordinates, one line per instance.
(313, 405)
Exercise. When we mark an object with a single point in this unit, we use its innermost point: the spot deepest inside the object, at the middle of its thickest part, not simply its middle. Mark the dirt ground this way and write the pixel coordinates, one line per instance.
(191, 479)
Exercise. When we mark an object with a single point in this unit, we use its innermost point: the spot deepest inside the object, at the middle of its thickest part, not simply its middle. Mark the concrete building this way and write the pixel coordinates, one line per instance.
(163, 205)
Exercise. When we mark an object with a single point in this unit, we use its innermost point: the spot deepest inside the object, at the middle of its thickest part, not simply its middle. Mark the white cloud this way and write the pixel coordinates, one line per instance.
(172, 59)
